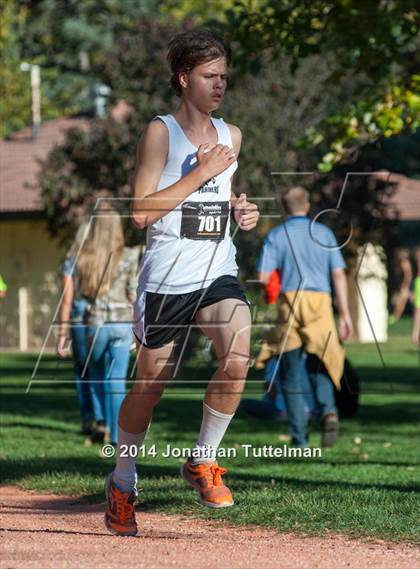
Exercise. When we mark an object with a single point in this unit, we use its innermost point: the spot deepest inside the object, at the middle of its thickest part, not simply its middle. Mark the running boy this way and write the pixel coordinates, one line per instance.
(182, 194)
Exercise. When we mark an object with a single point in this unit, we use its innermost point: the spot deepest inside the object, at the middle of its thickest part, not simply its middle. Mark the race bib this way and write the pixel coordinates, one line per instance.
(204, 220)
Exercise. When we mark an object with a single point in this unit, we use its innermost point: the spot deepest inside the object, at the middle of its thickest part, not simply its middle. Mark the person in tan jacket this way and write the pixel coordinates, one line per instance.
(308, 258)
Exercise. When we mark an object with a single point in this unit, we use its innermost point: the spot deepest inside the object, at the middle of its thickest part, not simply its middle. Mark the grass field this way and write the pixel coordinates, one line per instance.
(366, 489)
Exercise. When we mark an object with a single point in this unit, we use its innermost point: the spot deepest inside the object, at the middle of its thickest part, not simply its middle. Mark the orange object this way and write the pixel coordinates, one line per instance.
(120, 517)
(206, 478)
(273, 287)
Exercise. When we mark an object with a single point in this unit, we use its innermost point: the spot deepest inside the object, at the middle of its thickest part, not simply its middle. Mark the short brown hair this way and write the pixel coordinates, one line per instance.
(189, 49)
(295, 199)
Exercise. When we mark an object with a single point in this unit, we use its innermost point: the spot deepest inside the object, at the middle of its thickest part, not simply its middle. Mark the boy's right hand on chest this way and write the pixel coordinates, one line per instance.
(213, 162)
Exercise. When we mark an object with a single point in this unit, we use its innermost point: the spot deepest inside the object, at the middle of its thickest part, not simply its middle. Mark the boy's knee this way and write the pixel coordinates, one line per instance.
(236, 366)
(148, 390)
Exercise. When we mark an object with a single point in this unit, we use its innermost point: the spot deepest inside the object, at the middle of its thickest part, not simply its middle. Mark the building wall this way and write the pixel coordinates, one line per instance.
(29, 258)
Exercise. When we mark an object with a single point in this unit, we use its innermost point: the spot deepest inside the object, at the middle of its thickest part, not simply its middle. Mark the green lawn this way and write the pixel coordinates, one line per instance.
(367, 489)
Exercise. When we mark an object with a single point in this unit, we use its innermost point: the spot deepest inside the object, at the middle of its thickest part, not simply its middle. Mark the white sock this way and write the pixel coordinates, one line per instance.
(125, 475)
(213, 429)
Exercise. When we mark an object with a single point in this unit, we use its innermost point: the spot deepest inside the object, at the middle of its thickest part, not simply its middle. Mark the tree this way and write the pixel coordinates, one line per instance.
(15, 91)
(69, 41)
(100, 161)
(86, 166)
(379, 41)
(201, 12)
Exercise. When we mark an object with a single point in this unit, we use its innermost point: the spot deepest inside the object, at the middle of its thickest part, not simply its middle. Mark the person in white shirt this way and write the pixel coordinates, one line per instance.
(182, 194)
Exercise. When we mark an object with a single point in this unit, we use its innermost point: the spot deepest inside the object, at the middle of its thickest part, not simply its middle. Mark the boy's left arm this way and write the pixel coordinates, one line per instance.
(246, 214)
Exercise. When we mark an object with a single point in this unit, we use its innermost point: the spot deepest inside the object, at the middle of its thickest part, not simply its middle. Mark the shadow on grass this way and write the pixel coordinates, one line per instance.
(386, 413)
(47, 406)
(34, 425)
(388, 379)
(175, 411)
(14, 471)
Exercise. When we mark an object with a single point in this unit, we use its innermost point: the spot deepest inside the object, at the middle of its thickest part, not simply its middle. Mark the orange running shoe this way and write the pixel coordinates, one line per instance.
(120, 517)
(207, 479)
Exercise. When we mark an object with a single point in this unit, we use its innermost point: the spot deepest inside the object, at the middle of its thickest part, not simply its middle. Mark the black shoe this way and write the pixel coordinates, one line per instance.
(98, 434)
(330, 430)
(86, 428)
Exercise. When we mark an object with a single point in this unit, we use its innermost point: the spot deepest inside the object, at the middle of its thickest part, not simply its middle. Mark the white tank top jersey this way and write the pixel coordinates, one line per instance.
(190, 247)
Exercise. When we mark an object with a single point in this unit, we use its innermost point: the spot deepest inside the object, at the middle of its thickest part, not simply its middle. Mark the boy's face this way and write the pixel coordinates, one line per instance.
(205, 85)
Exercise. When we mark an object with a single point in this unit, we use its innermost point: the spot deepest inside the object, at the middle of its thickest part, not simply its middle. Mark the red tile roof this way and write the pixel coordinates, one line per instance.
(19, 163)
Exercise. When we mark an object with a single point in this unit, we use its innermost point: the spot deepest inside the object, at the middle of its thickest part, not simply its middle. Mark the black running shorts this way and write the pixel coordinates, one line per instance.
(162, 317)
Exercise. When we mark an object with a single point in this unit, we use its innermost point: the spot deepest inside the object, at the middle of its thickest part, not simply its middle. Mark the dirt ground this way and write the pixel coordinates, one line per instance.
(58, 532)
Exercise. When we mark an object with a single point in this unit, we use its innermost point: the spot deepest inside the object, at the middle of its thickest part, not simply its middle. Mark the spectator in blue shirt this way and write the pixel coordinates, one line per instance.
(308, 258)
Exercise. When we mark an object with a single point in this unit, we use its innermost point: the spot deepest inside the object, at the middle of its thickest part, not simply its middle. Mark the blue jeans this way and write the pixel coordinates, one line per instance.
(322, 388)
(263, 409)
(274, 406)
(89, 406)
(108, 365)
(272, 375)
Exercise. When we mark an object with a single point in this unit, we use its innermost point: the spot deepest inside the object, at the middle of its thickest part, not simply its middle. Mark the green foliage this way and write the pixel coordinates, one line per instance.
(70, 41)
(102, 159)
(135, 67)
(366, 35)
(15, 91)
(364, 121)
(273, 115)
(355, 204)
(201, 12)
(77, 173)
(36, 33)
(378, 41)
